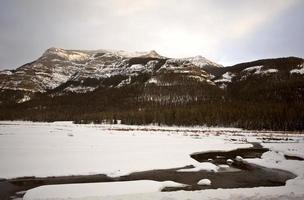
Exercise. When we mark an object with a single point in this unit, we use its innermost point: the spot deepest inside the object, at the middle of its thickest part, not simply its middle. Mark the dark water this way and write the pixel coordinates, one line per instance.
(238, 175)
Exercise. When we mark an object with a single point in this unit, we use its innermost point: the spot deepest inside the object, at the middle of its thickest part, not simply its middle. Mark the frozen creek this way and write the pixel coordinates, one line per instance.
(184, 157)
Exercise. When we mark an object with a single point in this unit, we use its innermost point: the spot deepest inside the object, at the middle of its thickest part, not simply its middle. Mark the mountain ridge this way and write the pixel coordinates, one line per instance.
(145, 87)
(62, 65)
(56, 62)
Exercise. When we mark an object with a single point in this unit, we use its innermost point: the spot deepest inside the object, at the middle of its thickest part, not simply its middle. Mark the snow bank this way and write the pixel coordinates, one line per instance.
(206, 166)
(273, 156)
(277, 161)
(291, 149)
(260, 193)
(204, 182)
(69, 191)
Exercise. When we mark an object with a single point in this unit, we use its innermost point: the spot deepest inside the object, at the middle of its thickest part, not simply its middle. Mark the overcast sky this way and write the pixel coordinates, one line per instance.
(225, 31)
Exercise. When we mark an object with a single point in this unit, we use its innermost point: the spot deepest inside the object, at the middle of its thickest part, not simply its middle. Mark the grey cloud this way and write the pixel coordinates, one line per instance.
(224, 31)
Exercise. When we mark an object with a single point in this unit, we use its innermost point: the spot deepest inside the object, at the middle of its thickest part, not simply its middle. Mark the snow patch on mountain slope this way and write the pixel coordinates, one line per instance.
(24, 99)
(127, 54)
(79, 89)
(152, 54)
(260, 70)
(137, 67)
(152, 80)
(197, 61)
(255, 69)
(201, 61)
(300, 70)
(40, 76)
(224, 80)
(6, 72)
(124, 82)
(270, 71)
(227, 77)
(17, 88)
(108, 67)
(67, 54)
(77, 56)
(201, 78)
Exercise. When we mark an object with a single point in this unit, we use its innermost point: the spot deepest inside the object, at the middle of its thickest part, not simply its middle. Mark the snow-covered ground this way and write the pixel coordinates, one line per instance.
(63, 148)
(99, 189)
(261, 193)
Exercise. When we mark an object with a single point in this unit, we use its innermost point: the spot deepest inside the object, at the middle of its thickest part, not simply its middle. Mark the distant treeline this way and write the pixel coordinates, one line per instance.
(256, 103)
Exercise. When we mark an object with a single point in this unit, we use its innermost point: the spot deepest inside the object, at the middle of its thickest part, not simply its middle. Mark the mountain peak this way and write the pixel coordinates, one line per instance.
(153, 54)
(52, 50)
(130, 54)
(71, 55)
(202, 61)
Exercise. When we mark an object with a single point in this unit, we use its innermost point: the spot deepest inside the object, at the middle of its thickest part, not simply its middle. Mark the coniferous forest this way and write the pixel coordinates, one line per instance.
(259, 101)
(274, 106)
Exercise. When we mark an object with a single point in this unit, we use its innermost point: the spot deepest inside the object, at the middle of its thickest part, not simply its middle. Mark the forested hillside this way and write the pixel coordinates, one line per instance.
(148, 88)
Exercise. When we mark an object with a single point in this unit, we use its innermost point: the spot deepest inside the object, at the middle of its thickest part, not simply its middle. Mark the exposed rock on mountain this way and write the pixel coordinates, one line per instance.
(78, 70)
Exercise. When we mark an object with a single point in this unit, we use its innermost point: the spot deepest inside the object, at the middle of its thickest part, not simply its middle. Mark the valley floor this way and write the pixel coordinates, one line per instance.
(63, 149)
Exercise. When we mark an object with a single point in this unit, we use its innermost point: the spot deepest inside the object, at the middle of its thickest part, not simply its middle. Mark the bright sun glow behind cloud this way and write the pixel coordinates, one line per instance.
(203, 29)
(186, 28)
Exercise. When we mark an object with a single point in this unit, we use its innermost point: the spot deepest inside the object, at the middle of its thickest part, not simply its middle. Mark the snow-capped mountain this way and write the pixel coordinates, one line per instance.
(86, 70)
(59, 71)
(145, 87)
(58, 66)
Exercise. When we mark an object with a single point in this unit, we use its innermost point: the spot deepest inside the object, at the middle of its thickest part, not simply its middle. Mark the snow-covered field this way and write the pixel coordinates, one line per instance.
(63, 148)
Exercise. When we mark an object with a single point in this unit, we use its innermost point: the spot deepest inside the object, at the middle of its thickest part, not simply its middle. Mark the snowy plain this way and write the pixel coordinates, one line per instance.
(64, 148)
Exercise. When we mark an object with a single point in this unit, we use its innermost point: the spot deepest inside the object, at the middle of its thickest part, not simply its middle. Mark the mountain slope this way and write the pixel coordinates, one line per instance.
(145, 87)
(57, 66)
